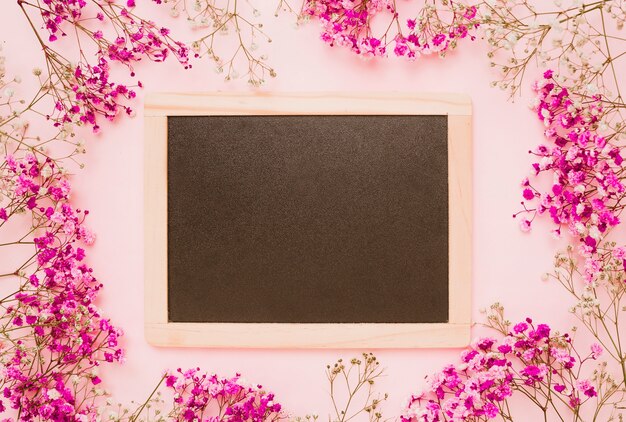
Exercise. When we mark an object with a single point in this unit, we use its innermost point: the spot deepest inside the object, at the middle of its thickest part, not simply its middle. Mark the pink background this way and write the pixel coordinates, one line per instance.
(507, 263)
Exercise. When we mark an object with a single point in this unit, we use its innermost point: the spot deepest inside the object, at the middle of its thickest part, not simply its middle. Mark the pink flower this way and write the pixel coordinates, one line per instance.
(585, 387)
(490, 370)
(524, 225)
(596, 350)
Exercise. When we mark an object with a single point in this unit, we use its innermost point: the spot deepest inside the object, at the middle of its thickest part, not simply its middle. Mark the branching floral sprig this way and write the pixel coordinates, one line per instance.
(599, 301)
(530, 360)
(435, 28)
(581, 107)
(198, 396)
(358, 379)
(53, 335)
(586, 194)
(203, 396)
(579, 102)
(213, 20)
(81, 87)
(580, 40)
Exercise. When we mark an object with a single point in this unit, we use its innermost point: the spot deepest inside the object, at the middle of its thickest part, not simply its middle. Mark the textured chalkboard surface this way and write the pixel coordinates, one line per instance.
(308, 219)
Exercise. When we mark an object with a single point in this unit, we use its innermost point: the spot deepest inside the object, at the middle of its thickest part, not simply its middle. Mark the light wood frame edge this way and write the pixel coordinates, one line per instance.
(160, 332)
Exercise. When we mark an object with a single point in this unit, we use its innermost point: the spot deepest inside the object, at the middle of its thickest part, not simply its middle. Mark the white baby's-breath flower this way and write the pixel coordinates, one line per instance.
(595, 233)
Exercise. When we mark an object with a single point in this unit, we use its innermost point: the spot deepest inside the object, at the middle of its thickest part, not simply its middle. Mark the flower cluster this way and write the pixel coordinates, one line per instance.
(53, 335)
(213, 19)
(598, 293)
(585, 166)
(201, 396)
(90, 93)
(575, 37)
(84, 90)
(53, 338)
(529, 358)
(351, 24)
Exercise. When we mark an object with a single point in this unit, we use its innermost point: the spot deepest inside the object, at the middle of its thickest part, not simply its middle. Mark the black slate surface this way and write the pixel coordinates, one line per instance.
(308, 219)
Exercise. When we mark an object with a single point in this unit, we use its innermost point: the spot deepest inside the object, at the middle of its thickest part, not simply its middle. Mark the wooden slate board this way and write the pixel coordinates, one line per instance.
(308, 219)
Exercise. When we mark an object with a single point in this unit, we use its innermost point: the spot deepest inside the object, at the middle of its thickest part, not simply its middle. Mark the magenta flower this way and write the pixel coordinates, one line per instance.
(196, 391)
(348, 24)
(583, 163)
(84, 91)
(527, 358)
(55, 303)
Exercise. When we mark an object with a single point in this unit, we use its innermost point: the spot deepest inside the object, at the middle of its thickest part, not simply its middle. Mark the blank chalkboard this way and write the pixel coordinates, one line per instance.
(306, 220)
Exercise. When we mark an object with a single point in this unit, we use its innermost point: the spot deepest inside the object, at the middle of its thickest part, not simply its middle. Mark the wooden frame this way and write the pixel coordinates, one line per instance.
(160, 332)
